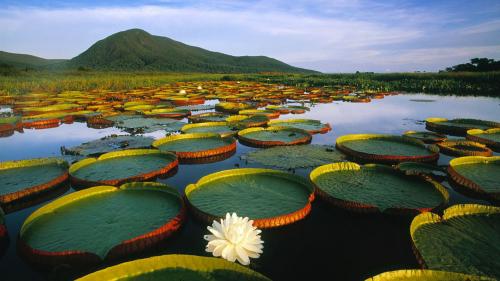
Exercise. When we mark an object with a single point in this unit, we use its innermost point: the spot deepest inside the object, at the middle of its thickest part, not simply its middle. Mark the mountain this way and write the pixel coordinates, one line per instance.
(135, 49)
(27, 61)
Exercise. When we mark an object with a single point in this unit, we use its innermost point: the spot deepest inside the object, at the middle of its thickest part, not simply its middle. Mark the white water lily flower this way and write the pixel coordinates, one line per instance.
(234, 238)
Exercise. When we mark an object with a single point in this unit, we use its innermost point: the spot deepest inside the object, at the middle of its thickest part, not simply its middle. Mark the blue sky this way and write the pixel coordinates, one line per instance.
(325, 35)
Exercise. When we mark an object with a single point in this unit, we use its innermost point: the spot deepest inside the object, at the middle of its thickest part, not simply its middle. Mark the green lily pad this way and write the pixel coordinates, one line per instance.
(310, 125)
(247, 121)
(232, 107)
(376, 187)
(458, 126)
(197, 107)
(135, 124)
(273, 136)
(465, 239)
(265, 196)
(108, 144)
(176, 267)
(490, 137)
(415, 168)
(292, 157)
(426, 275)
(97, 219)
(208, 117)
(427, 137)
(196, 145)
(116, 167)
(386, 148)
(477, 173)
(222, 128)
(27, 177)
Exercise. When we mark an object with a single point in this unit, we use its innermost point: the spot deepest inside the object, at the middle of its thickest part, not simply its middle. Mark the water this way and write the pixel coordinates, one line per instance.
(330, 241)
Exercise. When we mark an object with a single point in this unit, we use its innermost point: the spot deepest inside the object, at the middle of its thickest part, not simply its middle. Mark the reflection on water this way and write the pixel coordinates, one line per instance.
(357, 245)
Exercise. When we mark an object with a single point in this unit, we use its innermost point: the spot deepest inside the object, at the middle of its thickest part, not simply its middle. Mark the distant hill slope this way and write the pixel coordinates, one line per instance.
(135, 49)
(27, 61)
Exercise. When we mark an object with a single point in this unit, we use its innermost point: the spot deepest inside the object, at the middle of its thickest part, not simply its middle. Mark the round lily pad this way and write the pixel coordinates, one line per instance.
(168, 112)
(273, 136)
(386, 148)
(101, 223)
(115, 168)
(426, 137)
(108, 144)
(310, 125)
(208, 117)
(197, 107)
(27, 178)
(271, 114)
(269, 197)
(196, 145)
(176, 267)
(232, 107)
(285, 109)
(415, 168)
(376, 188)
(465, 239)
(478, 174)
(426, 275)
(247, 121)
(458, 127)
(292, 157)
(490, 137)
(137, 124)
(222, 128)
(464, 148)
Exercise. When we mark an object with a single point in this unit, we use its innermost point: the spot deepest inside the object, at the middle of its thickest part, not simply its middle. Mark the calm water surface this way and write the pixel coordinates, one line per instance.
(330, 241)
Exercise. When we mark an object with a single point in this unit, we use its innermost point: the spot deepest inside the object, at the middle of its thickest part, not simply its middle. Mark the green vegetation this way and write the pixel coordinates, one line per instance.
(476, 65)
(448, 83)
(26, 62)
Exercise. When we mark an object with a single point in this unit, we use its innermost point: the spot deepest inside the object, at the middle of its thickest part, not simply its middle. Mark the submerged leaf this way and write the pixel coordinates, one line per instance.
(292, 157)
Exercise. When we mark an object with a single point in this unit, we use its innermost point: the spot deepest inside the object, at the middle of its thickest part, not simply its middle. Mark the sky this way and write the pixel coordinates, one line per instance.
(324, 35)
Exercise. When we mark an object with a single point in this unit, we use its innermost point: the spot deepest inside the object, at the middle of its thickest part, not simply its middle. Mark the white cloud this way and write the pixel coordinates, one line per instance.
(369, 37)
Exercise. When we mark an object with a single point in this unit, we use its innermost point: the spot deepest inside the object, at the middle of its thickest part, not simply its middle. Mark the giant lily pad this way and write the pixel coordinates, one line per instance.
(426, 275)
(115, 168)
(108, 144)
(465, 239)
(477, 174)
(271, 114)
(168, 112)
(196, 145)
(310, 125)
(458, 126)
(137, 124)
(247, 121)
(273, 136)
(490, 137)
(415, 168)
(426, 137)
(285, 109)
(269, 197)
(102, 222)
(176, 267)
(386, 148)
(292, 157)
(376, 188)
(232, 107)
(222, 128)
(196, 107)
(208, 117)
(463, 148)
(26, 178)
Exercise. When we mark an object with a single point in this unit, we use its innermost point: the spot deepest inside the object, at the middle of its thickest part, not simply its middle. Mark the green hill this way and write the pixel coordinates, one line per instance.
(27, 61)
(135, 50)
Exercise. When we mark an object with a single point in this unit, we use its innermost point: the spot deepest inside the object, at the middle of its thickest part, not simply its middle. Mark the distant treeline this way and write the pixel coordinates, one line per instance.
(476, 65)
(446, 83)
